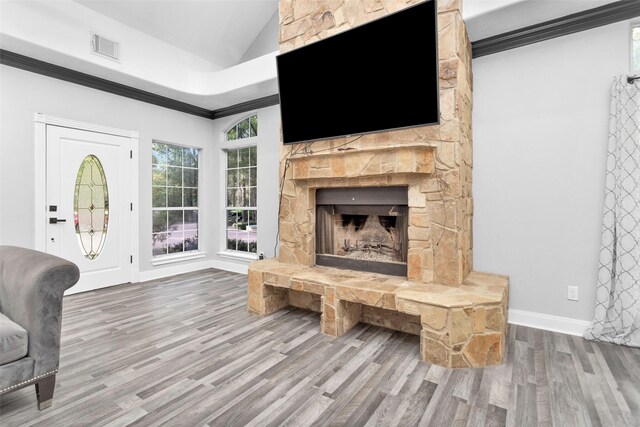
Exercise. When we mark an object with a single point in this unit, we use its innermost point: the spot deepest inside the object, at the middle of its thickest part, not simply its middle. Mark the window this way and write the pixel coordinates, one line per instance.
(91, 207)
(635, 48)
(241, 206)
(246, 128)
(175, 199)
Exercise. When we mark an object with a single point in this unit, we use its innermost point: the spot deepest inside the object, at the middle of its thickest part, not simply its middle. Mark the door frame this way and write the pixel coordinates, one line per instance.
(40, 122)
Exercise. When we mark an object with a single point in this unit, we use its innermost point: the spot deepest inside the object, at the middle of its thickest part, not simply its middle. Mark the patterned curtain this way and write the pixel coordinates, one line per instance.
(617, 313)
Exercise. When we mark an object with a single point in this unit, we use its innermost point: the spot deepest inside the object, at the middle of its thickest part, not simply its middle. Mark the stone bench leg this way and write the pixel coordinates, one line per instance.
(469, 337)
(264, 299)
(338, 316)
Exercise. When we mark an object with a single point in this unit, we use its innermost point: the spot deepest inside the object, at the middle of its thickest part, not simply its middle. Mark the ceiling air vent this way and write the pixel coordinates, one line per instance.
(105, 47)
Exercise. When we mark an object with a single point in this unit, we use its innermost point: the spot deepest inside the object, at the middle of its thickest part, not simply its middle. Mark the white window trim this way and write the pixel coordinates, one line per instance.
(233, 124)
(239, 143)
(252, 141)
(226, 208)
(634, 24)
(177, 257)
(189, 255)
(238, 255)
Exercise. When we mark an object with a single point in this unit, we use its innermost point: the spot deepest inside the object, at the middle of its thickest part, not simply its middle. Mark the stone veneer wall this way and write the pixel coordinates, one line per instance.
(460, 315)
(439, 184)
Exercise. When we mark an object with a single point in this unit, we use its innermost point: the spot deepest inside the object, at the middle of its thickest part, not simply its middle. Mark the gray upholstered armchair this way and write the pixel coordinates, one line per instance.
(31, 287)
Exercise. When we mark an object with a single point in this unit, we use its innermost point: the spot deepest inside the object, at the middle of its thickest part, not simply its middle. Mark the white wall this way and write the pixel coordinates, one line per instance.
(540, 127)
(24, 94)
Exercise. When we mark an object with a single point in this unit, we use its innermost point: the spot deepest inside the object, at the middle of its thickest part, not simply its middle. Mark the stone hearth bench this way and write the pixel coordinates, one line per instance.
(459, 327)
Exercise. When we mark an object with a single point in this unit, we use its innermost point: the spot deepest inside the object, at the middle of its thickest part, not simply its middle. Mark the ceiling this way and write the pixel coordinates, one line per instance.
(219, 31)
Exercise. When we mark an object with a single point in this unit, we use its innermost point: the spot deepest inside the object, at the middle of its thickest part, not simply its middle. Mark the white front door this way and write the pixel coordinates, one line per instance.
(89, 204)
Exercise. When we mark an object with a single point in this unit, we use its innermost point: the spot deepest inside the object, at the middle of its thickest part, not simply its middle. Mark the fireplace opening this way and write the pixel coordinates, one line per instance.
(362, 229)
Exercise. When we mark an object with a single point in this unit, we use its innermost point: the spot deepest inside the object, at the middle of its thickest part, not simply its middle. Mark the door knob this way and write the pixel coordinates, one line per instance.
(56, 220)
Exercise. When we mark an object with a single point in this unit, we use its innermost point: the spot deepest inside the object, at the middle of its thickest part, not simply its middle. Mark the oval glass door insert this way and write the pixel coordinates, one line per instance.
(91, 207)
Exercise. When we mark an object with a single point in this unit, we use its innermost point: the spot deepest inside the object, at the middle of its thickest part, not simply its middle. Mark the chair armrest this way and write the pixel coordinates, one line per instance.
(32, 284)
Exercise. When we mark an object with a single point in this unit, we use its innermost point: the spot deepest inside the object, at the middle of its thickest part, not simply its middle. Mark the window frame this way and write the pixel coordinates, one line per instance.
(236, 124)
(634, 71)
(184, 255)
(225, 146)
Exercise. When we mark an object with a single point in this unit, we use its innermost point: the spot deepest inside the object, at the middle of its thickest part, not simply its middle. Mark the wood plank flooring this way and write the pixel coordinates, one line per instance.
(183, 351)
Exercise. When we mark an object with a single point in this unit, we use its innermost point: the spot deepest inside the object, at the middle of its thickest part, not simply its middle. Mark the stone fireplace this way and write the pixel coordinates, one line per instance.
(377, 228)
(362, 229)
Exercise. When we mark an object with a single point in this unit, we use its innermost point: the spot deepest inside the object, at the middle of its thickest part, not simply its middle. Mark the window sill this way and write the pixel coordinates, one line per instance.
(238, 256)
(169, 259)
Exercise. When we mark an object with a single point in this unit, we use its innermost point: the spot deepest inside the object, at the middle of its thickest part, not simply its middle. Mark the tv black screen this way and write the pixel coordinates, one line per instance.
(379, 76)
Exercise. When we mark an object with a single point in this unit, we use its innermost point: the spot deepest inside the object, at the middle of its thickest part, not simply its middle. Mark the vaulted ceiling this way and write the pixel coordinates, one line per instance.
(221, 31)
(216, 30)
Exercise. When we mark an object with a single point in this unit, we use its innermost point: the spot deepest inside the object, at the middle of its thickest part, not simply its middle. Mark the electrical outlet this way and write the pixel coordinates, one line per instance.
(572, 293)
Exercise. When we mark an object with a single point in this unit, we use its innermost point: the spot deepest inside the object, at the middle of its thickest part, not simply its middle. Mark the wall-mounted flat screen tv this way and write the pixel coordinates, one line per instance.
(379, 76)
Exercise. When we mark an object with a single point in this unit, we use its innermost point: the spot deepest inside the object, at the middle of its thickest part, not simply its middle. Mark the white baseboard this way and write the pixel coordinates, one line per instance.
(235, 267)
(159, 273)
(564, 325)
(88, 287)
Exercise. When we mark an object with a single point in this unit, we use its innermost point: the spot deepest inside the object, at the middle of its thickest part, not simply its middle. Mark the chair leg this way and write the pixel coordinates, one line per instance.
(44, 391)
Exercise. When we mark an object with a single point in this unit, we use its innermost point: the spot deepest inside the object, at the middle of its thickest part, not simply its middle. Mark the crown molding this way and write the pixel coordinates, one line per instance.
(33, 65)
(254, 104)
(581, 21)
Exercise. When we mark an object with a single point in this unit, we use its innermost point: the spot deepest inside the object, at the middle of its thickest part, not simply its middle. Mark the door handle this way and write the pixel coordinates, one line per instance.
(56, 220)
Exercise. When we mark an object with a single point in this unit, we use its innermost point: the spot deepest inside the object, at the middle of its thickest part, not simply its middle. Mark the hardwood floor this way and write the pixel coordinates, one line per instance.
(183, 351)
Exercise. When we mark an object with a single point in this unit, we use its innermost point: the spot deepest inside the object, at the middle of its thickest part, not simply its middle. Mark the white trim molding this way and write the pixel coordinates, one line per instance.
(238, 256)
(184, 256)
(632, 69)
(40, 188)
(74, 124)
(234, 267)
(135, 209)
(548, 322)
(161, 273)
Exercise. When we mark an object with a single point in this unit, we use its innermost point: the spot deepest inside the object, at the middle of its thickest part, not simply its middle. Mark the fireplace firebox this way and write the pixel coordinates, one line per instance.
(363, 229)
